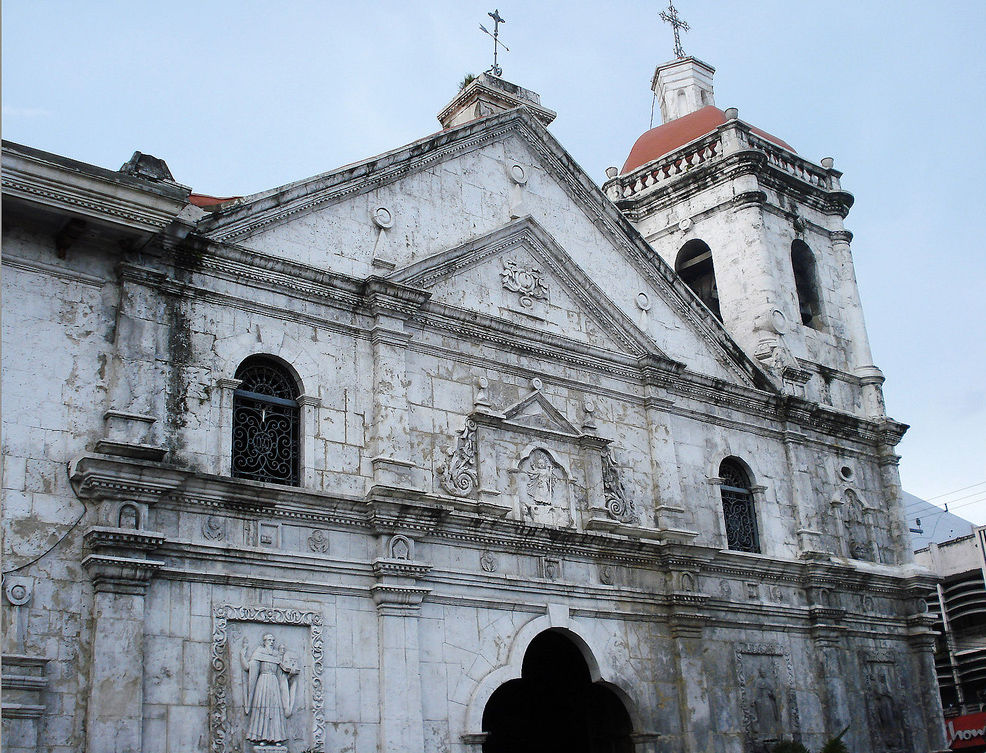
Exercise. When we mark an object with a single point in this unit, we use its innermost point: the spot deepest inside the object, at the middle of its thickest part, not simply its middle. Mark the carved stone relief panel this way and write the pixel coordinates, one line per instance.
(888, 728)
(550, 568)
(400, 547)
(488, 562)
(214, 528)
(318, 541)
(266, 692)
(542, 490)
(765, 675)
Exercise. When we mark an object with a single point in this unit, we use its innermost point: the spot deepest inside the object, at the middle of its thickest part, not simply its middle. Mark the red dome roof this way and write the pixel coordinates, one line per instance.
(666, 138)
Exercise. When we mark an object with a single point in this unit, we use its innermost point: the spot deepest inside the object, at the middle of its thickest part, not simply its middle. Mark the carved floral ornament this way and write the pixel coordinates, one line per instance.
(527, 282)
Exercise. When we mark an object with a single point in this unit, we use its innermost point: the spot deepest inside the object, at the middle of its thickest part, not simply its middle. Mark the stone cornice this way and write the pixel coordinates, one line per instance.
(385, 296)
(344, 293)
(66, 186)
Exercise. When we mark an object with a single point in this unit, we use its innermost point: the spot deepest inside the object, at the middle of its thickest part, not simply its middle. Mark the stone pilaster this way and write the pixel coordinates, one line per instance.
(669, 514)
(389, 441)
(921, 638)
(891, 433)
(226, 388)
(309, 405)
(121, 573)
(132, 410)
(398, 601)
(688, 615)
(861, 358)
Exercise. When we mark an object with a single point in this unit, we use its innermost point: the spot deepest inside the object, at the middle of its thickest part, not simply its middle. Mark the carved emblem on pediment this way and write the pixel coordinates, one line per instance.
(619, 505)
(527, 282)
(458, 473)
(544, 492)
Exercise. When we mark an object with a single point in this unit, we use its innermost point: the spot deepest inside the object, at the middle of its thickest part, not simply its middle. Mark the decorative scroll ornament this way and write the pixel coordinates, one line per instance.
(527, 282)
(618, 502)
(458, 473)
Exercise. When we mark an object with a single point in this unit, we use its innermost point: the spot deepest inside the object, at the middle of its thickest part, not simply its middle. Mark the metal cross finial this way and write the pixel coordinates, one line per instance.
(495, 69)
(671, 16)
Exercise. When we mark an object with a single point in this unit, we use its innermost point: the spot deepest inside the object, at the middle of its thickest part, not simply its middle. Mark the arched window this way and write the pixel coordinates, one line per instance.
(737, 507)
(266, 443)
(803, 264)
(694, 265)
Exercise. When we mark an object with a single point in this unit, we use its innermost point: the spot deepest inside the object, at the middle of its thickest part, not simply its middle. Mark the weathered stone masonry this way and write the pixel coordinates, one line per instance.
(512, 415)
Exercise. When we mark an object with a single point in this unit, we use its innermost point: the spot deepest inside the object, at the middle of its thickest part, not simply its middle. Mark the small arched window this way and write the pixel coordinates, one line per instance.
(737, 507)
(266, 441)
(694, 265)
(803, 264)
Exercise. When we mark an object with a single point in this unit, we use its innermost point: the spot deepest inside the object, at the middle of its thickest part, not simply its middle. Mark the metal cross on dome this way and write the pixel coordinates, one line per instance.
(495, 69)
(671, 16)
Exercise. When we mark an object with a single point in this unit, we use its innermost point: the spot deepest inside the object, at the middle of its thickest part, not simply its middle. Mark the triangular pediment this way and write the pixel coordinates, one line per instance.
(536, 412)
(522, 274)
(446, 191)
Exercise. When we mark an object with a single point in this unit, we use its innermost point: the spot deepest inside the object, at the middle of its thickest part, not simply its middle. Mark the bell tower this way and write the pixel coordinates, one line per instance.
(756, 231)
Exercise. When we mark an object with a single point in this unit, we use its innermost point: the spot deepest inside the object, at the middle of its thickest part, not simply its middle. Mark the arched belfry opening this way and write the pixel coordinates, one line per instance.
(694, 265)
(555, 707)
(806, 284)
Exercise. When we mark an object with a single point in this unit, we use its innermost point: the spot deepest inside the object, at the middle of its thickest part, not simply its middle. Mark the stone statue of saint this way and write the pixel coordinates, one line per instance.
(540, 478)
(766, 712)
(887, 716)
(271, 687)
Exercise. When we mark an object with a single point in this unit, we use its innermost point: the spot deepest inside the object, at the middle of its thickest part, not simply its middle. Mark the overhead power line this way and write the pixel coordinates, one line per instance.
(939, 496)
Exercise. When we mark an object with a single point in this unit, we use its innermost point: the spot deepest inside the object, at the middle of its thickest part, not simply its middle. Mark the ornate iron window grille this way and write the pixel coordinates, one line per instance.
(266, 422)
(738, 510)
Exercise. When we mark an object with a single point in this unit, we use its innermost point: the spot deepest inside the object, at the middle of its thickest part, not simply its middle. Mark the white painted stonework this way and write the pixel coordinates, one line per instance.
(512, 415)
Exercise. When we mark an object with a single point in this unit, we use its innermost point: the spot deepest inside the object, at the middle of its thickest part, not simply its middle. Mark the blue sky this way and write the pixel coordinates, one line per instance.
(243, 96)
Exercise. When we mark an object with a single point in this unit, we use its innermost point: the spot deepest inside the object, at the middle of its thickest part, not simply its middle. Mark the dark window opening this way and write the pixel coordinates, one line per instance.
(737, 508)
(555, 707)
(694, 266)
(266, 422)
(803, 264)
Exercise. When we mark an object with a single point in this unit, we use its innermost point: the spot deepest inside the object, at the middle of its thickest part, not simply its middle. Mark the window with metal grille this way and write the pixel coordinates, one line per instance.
(737, 508)
(265, 423)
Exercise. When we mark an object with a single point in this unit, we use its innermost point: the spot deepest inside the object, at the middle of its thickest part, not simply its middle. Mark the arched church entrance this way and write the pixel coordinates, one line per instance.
(555, 707)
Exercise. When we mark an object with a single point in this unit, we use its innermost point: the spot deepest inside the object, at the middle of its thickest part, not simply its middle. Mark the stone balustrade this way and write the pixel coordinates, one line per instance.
(789, 162)
(732, 138)
(701, 151)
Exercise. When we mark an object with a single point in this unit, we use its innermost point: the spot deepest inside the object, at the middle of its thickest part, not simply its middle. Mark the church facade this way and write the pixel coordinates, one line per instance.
(454, 450)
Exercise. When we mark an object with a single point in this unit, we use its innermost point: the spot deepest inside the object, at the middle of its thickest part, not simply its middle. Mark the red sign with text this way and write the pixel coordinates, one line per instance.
(968, 731)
